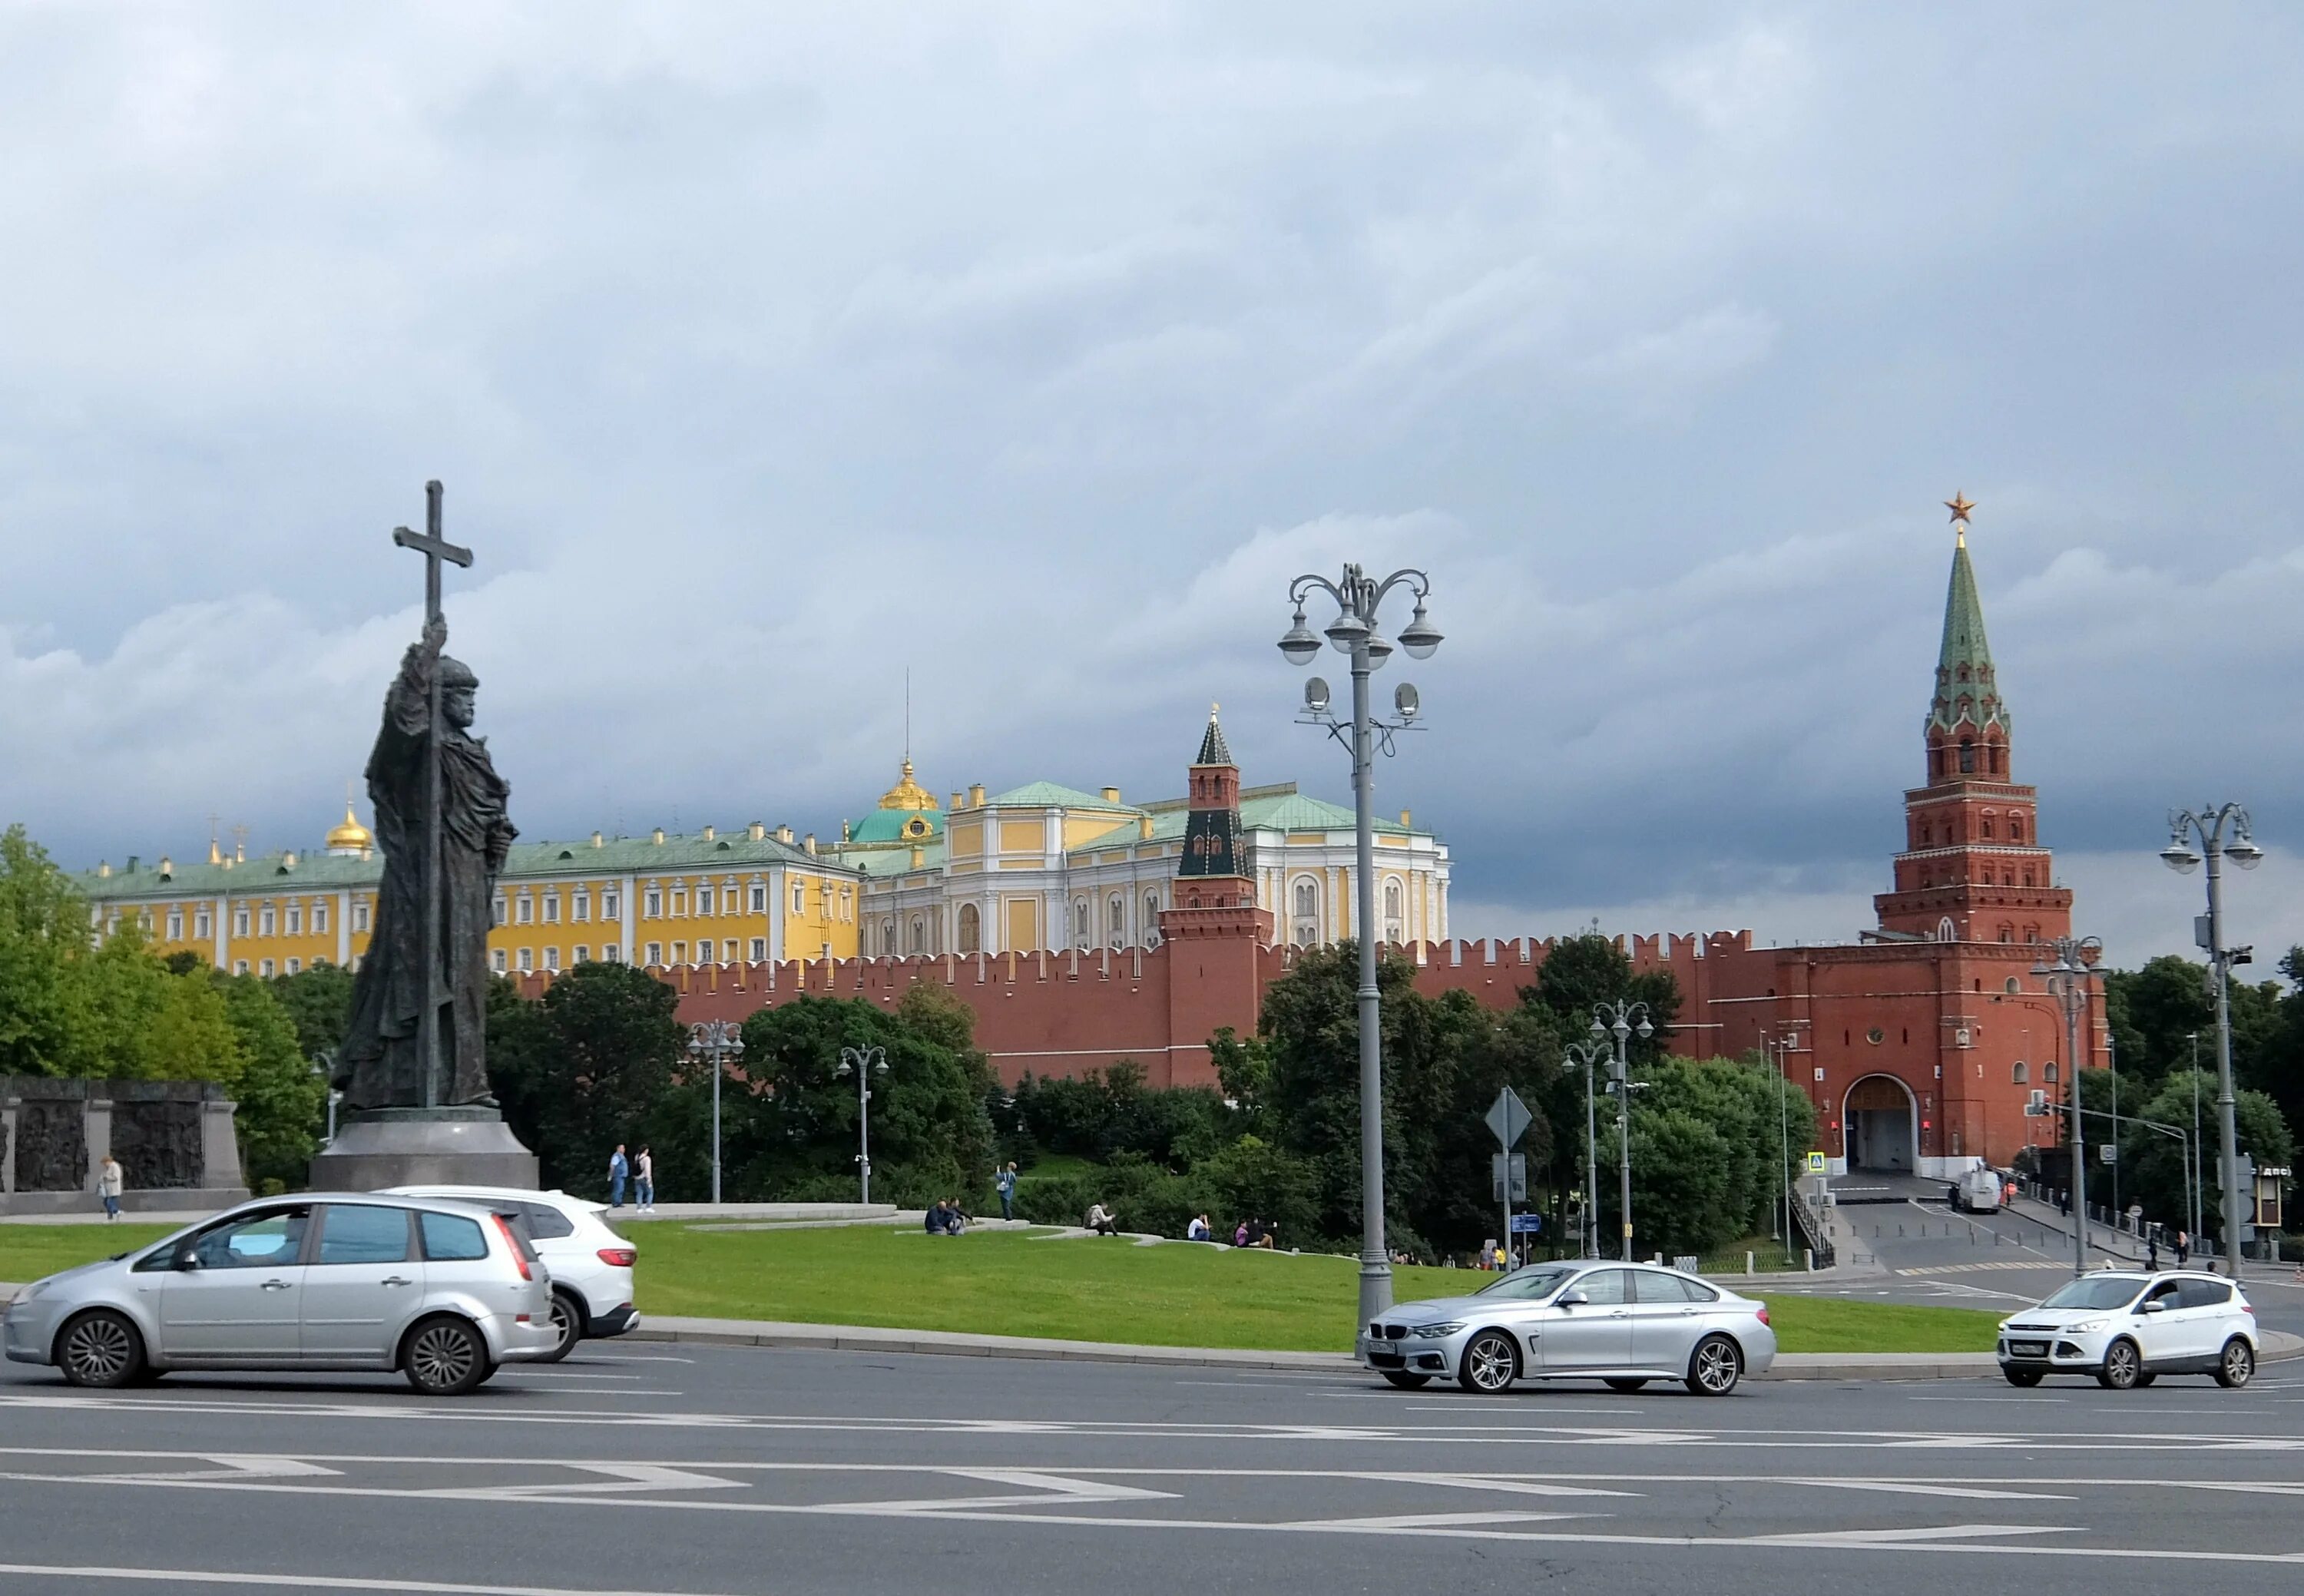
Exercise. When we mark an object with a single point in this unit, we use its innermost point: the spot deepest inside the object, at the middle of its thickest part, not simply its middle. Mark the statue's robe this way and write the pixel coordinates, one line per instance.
(380, 1064)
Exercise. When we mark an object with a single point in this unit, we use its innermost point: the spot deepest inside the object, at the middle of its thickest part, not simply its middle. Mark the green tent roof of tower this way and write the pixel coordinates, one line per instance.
(1213, 750)
(1964, 661)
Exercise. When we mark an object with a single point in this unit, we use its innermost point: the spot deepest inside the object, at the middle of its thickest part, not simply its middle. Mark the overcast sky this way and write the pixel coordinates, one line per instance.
(766, 351)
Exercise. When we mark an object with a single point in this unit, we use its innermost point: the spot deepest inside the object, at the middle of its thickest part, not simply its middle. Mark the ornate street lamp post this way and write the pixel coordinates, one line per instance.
(1355, 633)
(863, 1063)
(1588, 1054)
(2210, 826)
(1620, 1020)
(718, 1041)
(2065, 971)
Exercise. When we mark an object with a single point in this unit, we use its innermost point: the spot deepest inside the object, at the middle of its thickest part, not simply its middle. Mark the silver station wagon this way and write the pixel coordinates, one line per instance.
(1624, 1324)
(442, 1291)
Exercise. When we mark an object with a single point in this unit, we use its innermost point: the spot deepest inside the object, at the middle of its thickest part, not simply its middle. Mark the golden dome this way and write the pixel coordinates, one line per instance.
(351, 837)
(908, 793)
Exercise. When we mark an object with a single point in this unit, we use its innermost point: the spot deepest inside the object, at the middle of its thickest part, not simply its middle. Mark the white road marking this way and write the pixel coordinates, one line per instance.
(1913, 1488)
(297, 1581)
(1425, 1521)
(1944, 1532)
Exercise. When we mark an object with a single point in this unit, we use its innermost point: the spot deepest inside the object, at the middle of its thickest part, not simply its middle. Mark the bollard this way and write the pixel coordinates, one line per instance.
(1748, 1256)
(1808, 1260)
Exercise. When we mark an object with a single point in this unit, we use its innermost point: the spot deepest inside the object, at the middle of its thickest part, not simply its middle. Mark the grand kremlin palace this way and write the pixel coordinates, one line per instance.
(1082, 929)
(1043, 867)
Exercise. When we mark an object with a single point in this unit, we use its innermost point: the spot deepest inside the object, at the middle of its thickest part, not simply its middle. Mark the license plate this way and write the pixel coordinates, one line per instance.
(2028, 1349)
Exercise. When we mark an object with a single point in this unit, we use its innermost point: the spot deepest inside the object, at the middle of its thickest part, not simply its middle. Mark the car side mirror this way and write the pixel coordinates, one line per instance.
(1573, 1299)
(189, 1259)
(2155, 1306)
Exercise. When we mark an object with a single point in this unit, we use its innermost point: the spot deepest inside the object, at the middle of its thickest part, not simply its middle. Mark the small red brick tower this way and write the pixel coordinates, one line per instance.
(1213, 939)
(1972, 869)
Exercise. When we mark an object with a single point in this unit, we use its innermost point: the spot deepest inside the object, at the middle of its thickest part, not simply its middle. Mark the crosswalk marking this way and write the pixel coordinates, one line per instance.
(1972, 1269)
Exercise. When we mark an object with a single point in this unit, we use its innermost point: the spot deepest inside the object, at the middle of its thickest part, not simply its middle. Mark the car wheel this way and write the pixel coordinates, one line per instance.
(2024, 1378)
(1625, 1385)
(101, 1349)
(1715, 1368)
(1491, 1364)
(2237, 1367)
(445, 1357)
(2122, 1366)
(567, 1324)
(1406, 1381)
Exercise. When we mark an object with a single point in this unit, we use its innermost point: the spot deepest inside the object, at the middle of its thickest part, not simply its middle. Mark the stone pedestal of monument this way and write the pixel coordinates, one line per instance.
(375, 1148)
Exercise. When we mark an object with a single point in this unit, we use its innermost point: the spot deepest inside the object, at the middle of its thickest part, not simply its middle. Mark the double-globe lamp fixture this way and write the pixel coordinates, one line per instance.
(1355, 633)
(863, 1063)
(1618, 1021)
(718, 1041)
(2222, 830)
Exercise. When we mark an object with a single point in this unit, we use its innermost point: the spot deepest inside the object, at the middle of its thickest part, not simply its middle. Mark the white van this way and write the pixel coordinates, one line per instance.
(1976, 1191)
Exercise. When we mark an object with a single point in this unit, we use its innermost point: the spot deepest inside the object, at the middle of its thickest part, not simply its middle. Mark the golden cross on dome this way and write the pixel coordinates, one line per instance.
(1960, 504)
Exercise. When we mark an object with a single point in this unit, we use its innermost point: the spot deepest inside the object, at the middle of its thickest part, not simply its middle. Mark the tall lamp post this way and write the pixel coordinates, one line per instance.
(1588, 1054)
(863, 1063)
(1779, 1047)
(2210, 824)
(1353, 633)
(1620, 1020)
(718, 1041)
(2065, 971)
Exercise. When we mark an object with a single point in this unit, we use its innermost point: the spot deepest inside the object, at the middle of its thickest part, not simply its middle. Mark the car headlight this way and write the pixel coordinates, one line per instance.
(1434, 1332)
(2084, 1326)
(31, 1291)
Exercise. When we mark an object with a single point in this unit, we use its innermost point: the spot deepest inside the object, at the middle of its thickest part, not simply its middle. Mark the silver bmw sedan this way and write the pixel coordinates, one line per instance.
(1624, 1324)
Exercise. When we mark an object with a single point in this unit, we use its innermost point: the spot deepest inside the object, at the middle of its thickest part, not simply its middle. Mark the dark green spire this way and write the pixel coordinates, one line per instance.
(1966, 688)
(1213, 750)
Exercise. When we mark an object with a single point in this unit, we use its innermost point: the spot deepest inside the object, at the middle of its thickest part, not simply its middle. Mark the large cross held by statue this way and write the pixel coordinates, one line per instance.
(435, 549)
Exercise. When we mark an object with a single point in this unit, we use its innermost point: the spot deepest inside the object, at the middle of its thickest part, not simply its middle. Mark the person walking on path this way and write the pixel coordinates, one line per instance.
(108, 1184)
(2183, 1247)
(1005, 1183)
(618, 1169)
(644, 1182)
(2152, 1250)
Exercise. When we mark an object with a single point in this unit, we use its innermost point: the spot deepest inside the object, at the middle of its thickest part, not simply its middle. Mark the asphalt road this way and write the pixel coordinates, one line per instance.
(1999, 1262)
(669, 1469)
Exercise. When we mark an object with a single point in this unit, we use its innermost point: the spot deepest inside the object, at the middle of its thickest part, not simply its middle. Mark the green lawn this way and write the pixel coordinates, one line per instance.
(1005, 1283)
(28, 1252)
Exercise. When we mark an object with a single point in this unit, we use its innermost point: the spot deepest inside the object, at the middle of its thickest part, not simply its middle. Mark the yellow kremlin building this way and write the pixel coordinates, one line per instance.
(1041, 866)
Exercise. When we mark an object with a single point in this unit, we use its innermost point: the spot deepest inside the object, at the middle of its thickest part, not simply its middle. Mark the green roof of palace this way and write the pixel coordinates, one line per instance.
(1047, 794)
(887, 824)
(622, 855)
(1271, 812)
(876, 863)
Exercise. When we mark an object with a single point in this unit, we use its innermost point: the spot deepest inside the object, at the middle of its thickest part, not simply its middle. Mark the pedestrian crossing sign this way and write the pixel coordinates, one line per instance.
(1815, 1163)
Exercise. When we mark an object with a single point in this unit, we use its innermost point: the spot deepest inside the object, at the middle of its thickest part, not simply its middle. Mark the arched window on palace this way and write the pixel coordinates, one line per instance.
(971, 930)
(1304, 927)
(1082, 938)
(1151, 920)
(1116, 918)
(919, 936)
(1392, 913)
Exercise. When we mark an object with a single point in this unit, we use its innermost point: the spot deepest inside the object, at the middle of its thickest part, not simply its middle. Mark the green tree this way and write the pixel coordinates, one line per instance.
(597, 1060)
(2152, 1163)
(282, 1097)
(1583, 972)
(43, 929)
(318, 1002)
(792, 1134)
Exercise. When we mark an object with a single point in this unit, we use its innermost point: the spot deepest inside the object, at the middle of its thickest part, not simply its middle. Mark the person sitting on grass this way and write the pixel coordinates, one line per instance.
(1197, 1230)
(1239, 1235)
(1100, 1220)
(954, 1221)
(938, 1220)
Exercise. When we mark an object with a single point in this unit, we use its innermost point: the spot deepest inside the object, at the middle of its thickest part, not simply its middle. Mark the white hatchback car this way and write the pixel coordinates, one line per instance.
(591, 1265)
(2130, 1327)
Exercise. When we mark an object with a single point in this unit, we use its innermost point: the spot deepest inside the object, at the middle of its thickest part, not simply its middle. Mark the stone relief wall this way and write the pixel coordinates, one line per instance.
(158, 1143)
(51, 1145)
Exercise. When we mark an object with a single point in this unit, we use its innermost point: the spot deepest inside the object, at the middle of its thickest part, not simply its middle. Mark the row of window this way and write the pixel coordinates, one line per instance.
(294, 918)
(660, 903)
(268, 968)
(505, 961)
(1926, 836)
(1951, 877)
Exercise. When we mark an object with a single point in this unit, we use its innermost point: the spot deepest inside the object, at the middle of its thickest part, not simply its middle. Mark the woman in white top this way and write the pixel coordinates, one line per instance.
(108, 1184)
